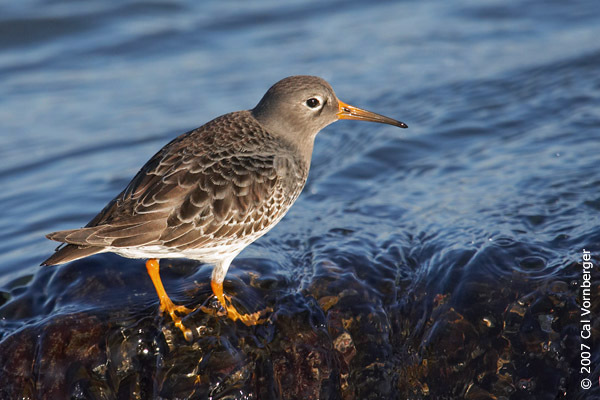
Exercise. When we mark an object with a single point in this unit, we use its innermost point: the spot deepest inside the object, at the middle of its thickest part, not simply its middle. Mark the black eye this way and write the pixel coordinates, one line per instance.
(312, 102)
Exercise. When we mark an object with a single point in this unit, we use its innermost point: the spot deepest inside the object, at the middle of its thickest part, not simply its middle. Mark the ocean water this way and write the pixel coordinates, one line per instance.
(440, 260)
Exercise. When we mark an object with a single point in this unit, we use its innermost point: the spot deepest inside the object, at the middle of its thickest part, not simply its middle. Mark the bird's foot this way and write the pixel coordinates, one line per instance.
(227, 308)
(256, 318)
(232, 313)
(166, 304)
(174, 311)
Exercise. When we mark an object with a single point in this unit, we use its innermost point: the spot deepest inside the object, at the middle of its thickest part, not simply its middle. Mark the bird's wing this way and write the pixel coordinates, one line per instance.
(187, 196)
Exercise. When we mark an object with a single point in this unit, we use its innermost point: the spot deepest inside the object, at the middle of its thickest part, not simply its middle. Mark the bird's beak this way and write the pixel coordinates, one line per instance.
(350, 112)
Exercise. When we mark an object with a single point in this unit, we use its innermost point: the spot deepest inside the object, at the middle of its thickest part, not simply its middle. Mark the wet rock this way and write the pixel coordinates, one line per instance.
(91, 330)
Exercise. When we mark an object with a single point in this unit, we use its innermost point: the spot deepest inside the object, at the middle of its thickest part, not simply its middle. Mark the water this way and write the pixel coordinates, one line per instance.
(442, 260)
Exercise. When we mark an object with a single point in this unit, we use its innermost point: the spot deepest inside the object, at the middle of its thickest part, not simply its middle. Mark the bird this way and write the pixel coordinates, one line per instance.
(212, 191)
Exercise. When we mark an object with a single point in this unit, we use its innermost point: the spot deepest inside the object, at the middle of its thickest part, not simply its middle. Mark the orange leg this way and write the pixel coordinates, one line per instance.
(247, 319)
(165, 302)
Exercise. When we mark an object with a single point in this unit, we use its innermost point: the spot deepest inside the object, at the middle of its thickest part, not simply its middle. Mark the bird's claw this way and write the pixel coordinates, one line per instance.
(247, 319)
(174, 311)
(232, 313)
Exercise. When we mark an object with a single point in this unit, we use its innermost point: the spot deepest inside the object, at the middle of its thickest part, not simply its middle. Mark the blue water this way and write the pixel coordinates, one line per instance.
(495, 183)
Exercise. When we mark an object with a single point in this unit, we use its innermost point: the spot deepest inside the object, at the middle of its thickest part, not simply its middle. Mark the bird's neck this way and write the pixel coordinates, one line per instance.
(289, 133)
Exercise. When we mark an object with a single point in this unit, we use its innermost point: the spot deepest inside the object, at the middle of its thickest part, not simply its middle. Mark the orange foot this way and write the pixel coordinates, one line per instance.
(166, 304)
(247, 319)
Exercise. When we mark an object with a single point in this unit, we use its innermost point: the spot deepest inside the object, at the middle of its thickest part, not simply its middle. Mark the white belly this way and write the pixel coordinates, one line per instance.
(210, 255)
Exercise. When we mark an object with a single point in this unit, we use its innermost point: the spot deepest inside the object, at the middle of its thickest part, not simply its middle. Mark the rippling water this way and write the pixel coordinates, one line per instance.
(442, 260)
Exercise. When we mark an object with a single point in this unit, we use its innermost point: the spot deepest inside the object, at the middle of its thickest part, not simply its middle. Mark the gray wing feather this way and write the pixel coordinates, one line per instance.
(197, 190)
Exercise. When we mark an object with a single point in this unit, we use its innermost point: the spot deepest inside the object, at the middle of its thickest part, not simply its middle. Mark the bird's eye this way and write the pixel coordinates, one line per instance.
(313, 102)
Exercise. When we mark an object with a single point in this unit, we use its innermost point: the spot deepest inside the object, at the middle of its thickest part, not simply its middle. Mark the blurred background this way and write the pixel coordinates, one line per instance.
(444, 259)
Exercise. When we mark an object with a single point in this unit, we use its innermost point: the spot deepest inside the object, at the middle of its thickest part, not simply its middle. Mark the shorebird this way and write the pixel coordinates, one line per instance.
(212, 191)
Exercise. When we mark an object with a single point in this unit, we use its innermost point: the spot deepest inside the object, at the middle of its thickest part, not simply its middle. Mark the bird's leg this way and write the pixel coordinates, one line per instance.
(166, 304)
(247, 319)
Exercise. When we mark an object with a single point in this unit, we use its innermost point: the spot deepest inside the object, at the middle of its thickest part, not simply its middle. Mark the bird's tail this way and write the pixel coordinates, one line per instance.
(69, 252)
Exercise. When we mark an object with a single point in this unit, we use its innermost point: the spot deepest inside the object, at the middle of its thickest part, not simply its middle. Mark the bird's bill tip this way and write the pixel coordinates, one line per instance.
(346, 111)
